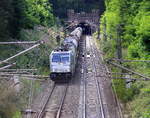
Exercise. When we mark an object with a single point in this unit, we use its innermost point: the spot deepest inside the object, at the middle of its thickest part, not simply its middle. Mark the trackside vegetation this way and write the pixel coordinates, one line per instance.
(24, 20)
(23, 14)
(129, 21)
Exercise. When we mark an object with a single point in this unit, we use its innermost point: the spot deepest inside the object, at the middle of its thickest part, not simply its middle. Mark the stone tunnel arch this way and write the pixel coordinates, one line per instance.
(88, 21)
(85, 27)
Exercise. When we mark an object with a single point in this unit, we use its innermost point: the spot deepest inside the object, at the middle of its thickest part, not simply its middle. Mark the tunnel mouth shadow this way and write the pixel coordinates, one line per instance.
(86, 28)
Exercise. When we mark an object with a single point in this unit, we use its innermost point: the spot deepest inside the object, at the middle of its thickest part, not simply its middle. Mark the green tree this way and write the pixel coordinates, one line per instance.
(17, 14)
(37, 12)
(6, 19)
(134, 17)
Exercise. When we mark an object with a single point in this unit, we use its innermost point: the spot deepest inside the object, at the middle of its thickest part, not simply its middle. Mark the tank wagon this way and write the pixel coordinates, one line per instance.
(63, 59)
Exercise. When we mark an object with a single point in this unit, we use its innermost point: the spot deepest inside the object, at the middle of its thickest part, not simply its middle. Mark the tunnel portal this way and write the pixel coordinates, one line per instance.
(86, 28)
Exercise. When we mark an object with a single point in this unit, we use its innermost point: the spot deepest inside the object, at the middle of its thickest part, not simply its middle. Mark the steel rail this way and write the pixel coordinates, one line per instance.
(97, 84)
(18, 42)
(84, 84)
(82, 104)
(40, 114)
(62, 102)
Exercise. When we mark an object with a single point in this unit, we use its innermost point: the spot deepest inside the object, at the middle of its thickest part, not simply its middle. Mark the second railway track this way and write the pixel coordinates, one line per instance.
(99, 94)
(92, 98)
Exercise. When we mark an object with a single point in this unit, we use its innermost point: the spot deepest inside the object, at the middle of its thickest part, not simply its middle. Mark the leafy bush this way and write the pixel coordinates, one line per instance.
(37, 12)
(133, 50)
(134, 18)
(9, 101)
(38, 57)
(18, 14)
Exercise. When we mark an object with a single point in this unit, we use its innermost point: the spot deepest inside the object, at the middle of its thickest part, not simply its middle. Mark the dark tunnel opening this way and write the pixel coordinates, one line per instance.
(86, 28)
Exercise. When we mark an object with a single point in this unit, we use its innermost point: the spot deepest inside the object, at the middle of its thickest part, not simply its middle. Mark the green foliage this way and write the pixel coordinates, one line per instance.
(120, 89)
(140, 105)
(16, 18)
(133, 17)
(8, 100)
(38, 57)
(133, 50)
(106, 46)
(17, 115)
(37, 12)
(18, 14)
(142, 25)
(6, 19)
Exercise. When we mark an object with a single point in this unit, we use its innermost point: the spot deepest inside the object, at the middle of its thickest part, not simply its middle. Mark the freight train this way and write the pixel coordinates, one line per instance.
(63, 59)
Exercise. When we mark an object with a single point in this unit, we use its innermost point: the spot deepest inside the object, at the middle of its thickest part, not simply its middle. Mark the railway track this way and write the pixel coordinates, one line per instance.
(44, 112)
(61, 103)
(100, 99)
(108, 106)
(45, 99)
(82, 101)
(91, 102)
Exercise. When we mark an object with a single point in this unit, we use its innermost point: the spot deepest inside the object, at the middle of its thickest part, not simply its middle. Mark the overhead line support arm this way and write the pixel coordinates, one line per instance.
(8, 59)
(129, 70)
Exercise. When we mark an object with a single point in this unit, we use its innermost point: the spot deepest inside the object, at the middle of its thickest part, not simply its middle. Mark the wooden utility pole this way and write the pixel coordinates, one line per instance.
(119, 43)
(98, 33)
(58, 39)
(105, 34)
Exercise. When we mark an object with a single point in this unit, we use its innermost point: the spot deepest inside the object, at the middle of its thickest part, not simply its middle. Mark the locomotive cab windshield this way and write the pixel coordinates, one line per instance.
(60, 62)
(61, 57)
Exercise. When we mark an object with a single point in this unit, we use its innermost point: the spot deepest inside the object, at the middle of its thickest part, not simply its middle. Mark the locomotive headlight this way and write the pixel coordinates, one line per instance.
(54, 70)
(68, 69)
